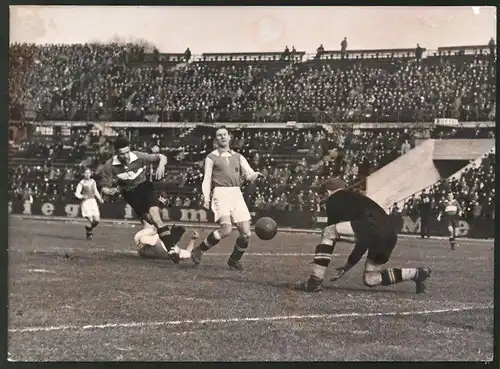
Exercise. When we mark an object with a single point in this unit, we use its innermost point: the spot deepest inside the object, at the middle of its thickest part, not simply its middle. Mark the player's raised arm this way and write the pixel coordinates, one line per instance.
(78, 192)
(249, 173)
(154, 158)
(206, 186)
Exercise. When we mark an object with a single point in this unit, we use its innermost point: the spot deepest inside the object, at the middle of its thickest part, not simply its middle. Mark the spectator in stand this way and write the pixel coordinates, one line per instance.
(418, 53)
(187, 55)
(286, 53)
(424, 210)
(395, 210)
(319, 51)
(405, 147)
(492, 46)
(343, 48)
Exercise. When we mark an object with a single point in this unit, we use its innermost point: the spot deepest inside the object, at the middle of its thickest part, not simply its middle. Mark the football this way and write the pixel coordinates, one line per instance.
(266, 228)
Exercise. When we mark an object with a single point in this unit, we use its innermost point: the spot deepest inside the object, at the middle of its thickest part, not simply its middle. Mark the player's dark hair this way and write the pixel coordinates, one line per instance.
(120, 143)
(221, 127)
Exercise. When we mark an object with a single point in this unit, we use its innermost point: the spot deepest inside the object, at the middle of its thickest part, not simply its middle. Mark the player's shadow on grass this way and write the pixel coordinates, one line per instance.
(289, 285)
(83, 255)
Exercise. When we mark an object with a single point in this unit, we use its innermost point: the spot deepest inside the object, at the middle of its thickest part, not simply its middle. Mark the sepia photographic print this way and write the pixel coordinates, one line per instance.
(259, 183)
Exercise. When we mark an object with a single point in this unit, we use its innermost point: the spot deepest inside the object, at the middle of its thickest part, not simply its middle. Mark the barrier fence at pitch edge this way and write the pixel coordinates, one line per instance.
(304, 220)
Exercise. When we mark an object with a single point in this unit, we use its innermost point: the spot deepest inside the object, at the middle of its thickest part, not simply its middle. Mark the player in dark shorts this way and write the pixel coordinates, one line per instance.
(451, 210)
(128, 168)
(354, 217)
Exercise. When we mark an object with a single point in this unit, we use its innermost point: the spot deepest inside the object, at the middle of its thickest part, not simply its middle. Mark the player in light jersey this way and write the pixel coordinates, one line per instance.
(88, 193)
(452, 211)
(150, 246)
(222, 180)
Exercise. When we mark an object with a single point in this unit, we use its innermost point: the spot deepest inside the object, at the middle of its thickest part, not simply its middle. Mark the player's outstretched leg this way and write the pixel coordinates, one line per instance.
(374, 275)
(169, 236)
(211, 240)
(240, 246)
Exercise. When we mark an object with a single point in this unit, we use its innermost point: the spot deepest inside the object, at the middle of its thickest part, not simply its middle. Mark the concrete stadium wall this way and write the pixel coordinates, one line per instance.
(462, 149)
(404, 176)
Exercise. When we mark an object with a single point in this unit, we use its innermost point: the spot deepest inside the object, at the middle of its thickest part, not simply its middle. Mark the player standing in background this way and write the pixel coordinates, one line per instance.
(129, 169)
(452, 212)
(354, 217)
(224, 169)
(87, 192)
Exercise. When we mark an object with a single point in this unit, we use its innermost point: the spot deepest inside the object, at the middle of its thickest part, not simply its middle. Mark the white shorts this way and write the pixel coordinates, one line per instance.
(229, 202)
(90, 208)
(149, 245)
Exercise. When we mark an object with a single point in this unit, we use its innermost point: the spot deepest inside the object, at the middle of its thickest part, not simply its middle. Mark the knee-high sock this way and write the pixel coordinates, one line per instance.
(212, 239)
(322, 257)
(240, 247)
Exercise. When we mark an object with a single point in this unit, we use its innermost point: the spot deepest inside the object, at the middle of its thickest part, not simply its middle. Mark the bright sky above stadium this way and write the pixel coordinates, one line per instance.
(255, 29)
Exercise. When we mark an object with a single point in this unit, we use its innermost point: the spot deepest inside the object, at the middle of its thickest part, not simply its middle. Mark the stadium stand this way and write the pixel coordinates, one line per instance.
(100, 83)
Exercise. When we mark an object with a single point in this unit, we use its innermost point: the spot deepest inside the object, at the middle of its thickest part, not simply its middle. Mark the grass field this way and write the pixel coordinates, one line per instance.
(72, 299)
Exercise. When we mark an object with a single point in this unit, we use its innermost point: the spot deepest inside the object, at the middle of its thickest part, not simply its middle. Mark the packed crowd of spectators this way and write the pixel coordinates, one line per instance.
(378, 90)
(65, 81)
(98, 82)
(474, 190)
(114, 82)
(293, 161)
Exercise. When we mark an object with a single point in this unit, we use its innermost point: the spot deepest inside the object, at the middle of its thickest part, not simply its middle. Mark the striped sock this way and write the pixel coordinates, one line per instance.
(212, 239)
(396, 275)
(322, 257)
(239, 248)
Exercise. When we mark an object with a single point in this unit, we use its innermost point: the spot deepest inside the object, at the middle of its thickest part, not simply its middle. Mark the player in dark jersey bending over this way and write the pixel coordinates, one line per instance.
(128, 168)
(354, 217)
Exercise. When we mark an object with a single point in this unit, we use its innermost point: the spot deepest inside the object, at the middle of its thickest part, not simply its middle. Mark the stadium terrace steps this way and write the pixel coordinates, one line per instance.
(418, 169)
(404, 176)
(461, 149)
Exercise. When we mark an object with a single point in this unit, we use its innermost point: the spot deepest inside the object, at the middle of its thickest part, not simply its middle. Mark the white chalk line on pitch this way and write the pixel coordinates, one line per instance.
(134, 253)
(263, 319)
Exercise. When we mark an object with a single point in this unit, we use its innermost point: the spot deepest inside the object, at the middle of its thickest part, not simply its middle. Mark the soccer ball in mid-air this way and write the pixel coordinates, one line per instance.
(266, 228)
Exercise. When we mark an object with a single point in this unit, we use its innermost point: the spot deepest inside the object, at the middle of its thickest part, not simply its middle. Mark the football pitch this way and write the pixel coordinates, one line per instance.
(77, 300)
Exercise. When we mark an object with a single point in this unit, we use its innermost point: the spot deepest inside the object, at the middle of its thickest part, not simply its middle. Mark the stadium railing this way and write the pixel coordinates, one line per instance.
(263, 116)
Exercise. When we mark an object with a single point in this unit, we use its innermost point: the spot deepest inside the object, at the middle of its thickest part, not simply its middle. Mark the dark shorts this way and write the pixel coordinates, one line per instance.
(452, 220)
(142, 198)
(380, 242)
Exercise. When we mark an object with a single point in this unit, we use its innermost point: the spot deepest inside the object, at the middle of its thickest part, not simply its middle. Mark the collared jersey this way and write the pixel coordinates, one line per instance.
(226, 169)
(128, 176)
